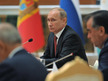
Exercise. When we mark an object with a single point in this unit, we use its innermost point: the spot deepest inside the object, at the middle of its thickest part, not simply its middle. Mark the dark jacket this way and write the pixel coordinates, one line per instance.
(22, 67)
(69, 42)
(103, 57)
(103, 61)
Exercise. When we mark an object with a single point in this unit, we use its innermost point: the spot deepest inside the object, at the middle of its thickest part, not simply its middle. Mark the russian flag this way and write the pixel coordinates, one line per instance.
(73, 15)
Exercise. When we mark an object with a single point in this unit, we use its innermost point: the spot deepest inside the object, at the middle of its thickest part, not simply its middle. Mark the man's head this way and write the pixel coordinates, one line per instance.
(97, 26)
(9, 39)
(57, 20)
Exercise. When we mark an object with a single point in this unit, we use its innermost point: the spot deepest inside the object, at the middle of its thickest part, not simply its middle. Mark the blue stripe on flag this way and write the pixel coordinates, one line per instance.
(72, 17)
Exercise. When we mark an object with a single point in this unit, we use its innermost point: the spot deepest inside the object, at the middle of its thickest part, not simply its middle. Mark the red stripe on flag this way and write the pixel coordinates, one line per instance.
(32, 28)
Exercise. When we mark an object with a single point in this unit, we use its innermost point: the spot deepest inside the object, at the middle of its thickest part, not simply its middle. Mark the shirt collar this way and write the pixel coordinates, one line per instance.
(105, 43)
(14, 51)
(59, 33)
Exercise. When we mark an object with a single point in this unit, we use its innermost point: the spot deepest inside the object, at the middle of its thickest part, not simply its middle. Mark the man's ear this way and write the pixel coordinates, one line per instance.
(102, 30)
(3, 51)
(2, 47)
(65, 20)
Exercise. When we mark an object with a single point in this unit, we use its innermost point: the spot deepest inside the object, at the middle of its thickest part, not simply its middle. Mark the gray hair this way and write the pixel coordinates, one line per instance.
(9, 34)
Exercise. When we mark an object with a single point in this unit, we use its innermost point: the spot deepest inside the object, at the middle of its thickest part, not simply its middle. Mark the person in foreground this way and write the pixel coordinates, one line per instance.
(67, 40)
(16, 63)
(97, 27)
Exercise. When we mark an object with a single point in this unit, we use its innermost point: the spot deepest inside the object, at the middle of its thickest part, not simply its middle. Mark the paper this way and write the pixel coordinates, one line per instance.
(54, 67)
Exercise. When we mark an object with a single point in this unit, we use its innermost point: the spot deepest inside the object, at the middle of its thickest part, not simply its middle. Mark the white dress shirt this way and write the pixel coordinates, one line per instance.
(59, 34)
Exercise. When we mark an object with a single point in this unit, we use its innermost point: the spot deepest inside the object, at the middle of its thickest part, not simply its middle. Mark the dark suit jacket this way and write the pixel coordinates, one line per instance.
(22, 67)
(103, 57)
(69, 42)
(103, 61)
(105, 74)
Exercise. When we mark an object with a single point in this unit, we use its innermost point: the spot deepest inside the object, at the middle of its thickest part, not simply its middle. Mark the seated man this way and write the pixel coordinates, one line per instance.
(62, 40)
(97, 26)
(16, 63)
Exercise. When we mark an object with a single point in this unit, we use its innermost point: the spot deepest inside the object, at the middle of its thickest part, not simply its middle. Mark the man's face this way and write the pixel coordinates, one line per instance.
(93, 34)
(55, 22)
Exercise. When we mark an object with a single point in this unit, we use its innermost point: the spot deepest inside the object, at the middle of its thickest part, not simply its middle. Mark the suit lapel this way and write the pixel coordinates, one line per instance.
(52, 45)
(59, 45)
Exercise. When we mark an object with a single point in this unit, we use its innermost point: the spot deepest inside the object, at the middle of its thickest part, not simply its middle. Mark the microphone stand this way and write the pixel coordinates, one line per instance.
(30, 40)
(59, 60)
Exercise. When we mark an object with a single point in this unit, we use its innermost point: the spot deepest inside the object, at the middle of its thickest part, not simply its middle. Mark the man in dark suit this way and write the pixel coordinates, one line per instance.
(97, 26)
(16, 63)
(67, 40)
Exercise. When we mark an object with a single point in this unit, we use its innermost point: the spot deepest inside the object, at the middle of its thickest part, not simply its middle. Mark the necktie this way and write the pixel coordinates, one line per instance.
(55, 43)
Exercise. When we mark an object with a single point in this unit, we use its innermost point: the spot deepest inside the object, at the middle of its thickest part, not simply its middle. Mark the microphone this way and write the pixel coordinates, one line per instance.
(30, 40)
(59, 59)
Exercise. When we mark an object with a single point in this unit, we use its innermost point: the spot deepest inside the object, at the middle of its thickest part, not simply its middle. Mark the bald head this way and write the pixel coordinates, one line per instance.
(9, 34)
